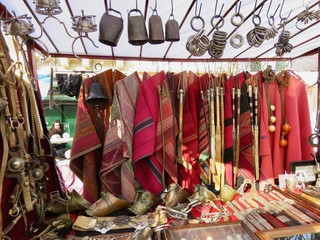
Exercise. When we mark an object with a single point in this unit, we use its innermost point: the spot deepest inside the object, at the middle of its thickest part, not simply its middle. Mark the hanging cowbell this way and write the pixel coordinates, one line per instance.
(172, 30)
(137, 31)
(96, 95)
(110, 28)
(156, 35)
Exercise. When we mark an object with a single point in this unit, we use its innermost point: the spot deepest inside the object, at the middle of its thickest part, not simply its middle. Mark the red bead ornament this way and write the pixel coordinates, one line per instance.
(286, 128)
(283, 143)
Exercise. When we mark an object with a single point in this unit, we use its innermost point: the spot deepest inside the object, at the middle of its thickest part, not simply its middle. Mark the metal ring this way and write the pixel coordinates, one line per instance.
(221, 23)
(256, 17)
(193, 27)
(233, 19)
(236, 41)
(271, 20)
(298, 26)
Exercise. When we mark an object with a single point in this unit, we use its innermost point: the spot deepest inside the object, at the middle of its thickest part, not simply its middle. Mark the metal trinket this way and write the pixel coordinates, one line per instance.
(48, 7)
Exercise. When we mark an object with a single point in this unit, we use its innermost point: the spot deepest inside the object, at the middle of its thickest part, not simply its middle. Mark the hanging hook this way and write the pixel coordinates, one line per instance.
(271, 17)
(215, 9)
(106, 5)
(256, 19)
(238, 7)
(171, 14)
(196, 9)
(306, 5)
(275, 12)
(154, 10)
(255, 9)
(81, 37)
(136, 4)
(217, 16)
(237, 14)
(283, 20)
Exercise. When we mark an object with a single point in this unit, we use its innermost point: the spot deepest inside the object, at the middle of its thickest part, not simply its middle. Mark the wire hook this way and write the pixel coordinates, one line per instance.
(154, 10)
(171, 14)
(215, 9)
(275, 12)
(283, 20)
(197, 9)
(255, 8)
(238, 7)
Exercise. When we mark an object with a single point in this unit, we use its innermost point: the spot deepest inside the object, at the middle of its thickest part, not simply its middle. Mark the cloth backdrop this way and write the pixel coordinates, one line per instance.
(116, 171)
(89, 135)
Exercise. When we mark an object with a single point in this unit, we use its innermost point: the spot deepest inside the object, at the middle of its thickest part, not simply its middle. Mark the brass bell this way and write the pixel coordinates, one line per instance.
(96, 94)
(110, 28)
(156, 35)
(137, 31)
(172, 30)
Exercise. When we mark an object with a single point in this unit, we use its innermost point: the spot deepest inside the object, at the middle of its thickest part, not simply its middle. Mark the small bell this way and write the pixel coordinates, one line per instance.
(96, 94)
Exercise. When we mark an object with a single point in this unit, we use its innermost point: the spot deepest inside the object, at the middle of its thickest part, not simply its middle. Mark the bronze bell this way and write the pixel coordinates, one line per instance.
(156, 35)
(137, 31)
(172, 30)
(96, 94)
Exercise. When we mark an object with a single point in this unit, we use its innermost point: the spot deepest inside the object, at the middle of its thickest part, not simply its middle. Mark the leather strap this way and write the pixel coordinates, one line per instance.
(4, 161)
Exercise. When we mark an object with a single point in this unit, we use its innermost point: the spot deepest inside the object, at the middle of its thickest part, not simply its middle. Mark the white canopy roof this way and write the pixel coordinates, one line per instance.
(60, 44)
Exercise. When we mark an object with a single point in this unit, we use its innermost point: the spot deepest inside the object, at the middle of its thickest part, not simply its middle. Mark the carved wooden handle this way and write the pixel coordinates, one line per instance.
(180, 158)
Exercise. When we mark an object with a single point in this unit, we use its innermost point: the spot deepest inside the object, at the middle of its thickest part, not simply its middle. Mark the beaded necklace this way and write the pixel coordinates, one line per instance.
(269, 75)
(283, 79)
